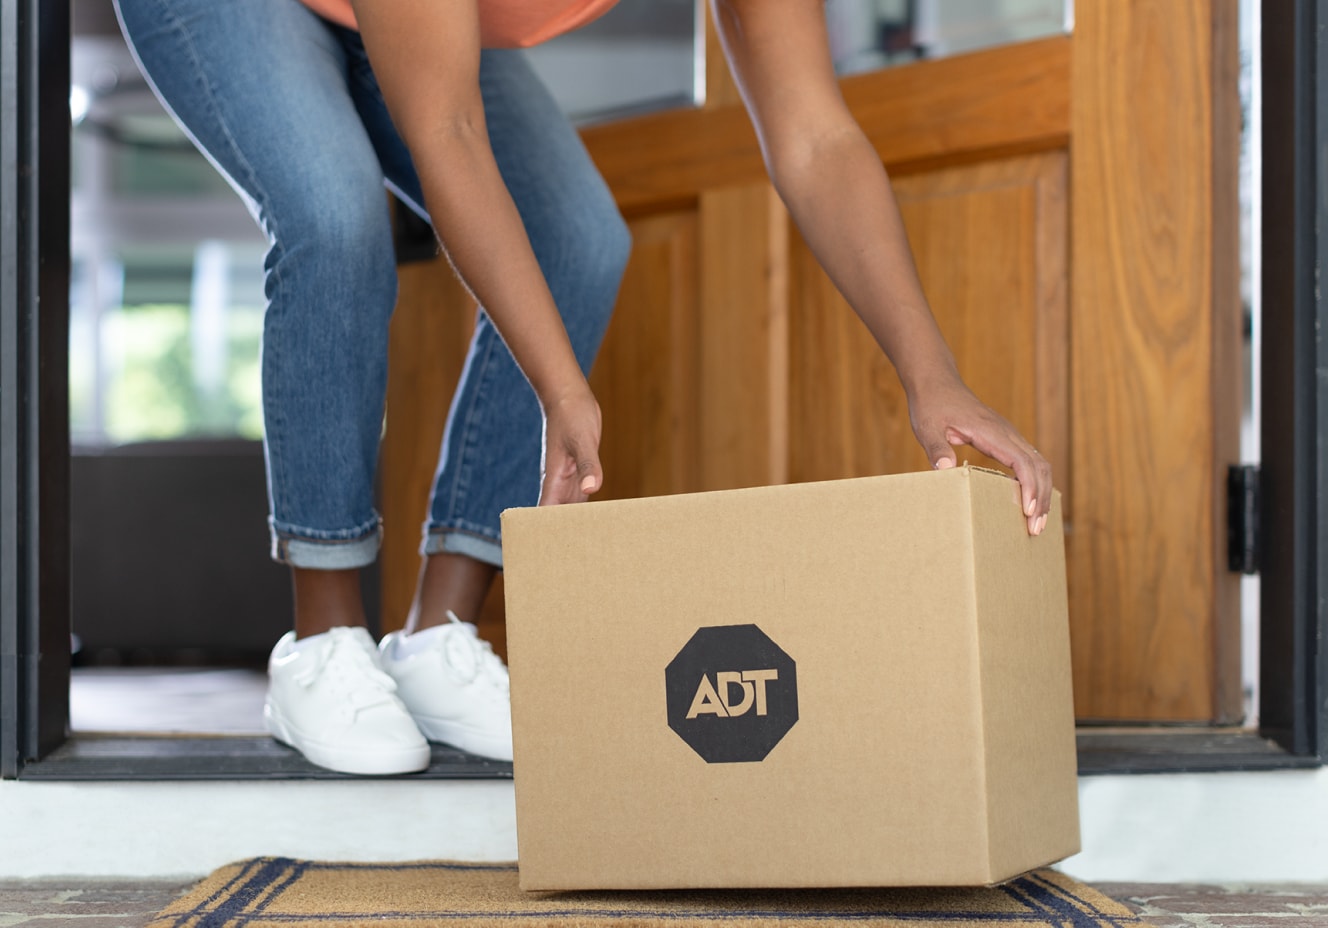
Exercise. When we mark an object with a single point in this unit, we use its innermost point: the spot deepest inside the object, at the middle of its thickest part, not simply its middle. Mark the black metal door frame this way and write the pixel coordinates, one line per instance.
(1294, 473)
(34, 378)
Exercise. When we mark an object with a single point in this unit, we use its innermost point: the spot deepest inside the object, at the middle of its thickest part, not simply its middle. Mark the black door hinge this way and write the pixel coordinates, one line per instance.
(1243, 548)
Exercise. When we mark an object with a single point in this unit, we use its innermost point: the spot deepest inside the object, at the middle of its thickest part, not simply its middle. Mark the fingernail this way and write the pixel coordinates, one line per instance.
(587, 485)
(943, 464)
(1031, 507)
(1041, 524)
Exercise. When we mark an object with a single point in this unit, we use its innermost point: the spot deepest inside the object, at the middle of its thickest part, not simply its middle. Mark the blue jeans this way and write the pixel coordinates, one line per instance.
(285, 105)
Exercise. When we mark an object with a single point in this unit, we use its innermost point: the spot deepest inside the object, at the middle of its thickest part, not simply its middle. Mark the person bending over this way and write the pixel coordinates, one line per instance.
(308, 107)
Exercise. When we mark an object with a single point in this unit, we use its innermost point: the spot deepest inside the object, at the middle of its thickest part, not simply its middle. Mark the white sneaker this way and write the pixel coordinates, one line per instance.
(455, 687)
(328, 698)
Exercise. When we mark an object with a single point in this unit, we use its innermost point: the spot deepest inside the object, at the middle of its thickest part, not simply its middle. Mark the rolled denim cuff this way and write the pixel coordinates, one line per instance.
(452, 541)
(326, 550)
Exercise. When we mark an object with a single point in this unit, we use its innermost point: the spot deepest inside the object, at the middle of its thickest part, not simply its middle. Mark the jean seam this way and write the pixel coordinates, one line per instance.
(360, 532)
(464, 527)
(371, 86)
(461, 482)
(330, 555)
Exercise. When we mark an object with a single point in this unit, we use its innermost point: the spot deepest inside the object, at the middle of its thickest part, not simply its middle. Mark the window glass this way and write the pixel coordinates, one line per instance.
(870, 34)
(164, 342)
(166, 289)
(639, 57)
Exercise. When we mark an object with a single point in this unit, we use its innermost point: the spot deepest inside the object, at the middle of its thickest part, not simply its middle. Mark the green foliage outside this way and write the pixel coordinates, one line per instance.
(150, 392)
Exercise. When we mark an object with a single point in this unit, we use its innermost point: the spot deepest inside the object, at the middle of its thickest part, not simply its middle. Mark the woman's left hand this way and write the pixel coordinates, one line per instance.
(947, 414)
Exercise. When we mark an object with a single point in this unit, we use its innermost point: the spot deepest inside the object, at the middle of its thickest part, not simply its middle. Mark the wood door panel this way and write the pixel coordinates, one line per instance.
(646, 377)
(989, 244)
(1151, 436)
(1015, 98)
(743, 345)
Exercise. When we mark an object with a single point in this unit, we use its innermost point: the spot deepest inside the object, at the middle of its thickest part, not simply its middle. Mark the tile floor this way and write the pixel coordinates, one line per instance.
(131, 904)
(1166, 906)
(85, 904)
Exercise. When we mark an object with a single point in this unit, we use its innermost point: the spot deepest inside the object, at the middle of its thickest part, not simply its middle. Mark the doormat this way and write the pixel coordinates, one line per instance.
(278, 892)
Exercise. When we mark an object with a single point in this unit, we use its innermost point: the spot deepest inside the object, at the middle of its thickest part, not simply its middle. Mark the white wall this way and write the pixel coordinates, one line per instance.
(1227, 827)
(188, 829)
(1238, 827)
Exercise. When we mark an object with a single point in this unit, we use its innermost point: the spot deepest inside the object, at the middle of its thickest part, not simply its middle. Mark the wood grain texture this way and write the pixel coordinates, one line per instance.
(431, 332)
(1003, 100)
(1144, 420)
(743, 343)
(989, 241)
(646, 377)
(720, 87)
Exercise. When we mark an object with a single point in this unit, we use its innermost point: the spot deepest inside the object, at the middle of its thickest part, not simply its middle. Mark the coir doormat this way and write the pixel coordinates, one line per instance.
(268, 892)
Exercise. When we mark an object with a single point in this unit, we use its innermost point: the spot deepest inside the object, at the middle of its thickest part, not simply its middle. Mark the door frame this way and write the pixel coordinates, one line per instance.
(1294, 471)
(34, 436)
(34, 380)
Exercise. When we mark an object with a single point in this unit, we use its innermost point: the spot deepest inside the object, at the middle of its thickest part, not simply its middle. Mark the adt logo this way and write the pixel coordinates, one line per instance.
(732, 693)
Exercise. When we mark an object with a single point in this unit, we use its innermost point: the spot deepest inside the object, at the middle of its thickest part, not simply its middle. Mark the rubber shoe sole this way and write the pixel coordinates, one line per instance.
(467, 738)
(378, 762)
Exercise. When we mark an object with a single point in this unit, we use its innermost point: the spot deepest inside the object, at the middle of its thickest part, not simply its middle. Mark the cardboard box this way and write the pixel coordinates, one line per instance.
(851, 683)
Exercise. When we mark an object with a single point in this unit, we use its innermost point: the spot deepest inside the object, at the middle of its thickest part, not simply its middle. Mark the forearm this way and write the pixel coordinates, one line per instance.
(426, 57)
(840, 197)
(479, 226)
(484, 238)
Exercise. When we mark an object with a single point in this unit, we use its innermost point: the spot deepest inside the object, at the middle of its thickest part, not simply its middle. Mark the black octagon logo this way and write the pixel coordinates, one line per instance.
(732, 693)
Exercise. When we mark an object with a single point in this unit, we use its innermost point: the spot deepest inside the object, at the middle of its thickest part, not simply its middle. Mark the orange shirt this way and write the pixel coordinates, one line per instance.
(503, 23)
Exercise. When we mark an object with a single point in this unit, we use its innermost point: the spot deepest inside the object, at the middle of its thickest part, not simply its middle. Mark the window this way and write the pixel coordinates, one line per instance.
(166, 290)
(870, 34)
(637, 58)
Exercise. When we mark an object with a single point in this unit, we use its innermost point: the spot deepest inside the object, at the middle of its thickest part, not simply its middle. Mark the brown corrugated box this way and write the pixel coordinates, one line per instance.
(851, 683)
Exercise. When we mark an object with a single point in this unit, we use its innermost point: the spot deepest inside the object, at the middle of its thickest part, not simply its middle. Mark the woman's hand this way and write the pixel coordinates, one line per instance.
(571, 468)
(946, 414)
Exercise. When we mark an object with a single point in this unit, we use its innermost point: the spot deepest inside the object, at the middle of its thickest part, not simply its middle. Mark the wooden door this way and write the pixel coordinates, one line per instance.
(1071, 206)
(989, 239)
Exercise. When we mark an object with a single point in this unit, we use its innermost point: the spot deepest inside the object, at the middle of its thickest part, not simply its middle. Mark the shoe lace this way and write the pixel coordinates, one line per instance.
(346, 665)
(470, 656)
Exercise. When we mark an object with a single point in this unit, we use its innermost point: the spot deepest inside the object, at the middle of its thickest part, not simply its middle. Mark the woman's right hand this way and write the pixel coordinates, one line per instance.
(571, 468)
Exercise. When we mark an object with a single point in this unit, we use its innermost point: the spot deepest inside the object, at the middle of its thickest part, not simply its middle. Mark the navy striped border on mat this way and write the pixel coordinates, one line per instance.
(262, 893)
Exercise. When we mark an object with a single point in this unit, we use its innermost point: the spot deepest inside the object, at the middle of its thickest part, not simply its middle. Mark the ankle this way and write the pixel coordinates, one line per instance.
(449, 583)
(419, 622)
(310, 631)
(326, 599)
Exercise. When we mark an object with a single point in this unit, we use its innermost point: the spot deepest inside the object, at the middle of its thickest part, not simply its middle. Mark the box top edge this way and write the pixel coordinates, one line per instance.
(964, 471)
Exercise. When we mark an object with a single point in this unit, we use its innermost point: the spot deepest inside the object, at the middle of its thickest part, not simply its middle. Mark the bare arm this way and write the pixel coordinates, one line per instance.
(426, 56)
(832, 181)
